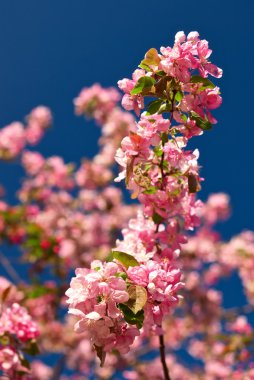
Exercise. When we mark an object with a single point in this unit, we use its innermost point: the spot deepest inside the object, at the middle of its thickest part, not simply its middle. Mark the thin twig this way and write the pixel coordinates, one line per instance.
(10, 269)
(163, 358)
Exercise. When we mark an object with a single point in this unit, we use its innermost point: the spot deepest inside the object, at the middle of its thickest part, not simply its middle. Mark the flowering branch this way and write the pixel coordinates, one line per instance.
(163, 358)
(140, 287)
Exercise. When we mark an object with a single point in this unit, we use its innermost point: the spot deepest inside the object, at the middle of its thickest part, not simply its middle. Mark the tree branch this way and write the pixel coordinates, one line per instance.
(163, 358)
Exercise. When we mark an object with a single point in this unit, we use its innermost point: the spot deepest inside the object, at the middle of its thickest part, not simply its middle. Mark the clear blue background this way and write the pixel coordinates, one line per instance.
(50, 49)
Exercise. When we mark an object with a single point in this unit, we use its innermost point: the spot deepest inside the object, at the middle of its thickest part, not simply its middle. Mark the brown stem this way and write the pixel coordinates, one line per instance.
(163, 358)
(161, 337)
(163, 143)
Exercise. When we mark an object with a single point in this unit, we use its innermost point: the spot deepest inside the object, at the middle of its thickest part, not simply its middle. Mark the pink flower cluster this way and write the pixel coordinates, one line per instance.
(174, 70)
(96, 102)
(94, 296)
(15, 320)
(17, 329)
(15, 136)
(101, 104)
(46, 174)
(130, 102)
(162, 282)
(139, 238)
(163, 176)
(9, 360)
(216, 208)
(12, 139)
(39, 119)
(238, 253)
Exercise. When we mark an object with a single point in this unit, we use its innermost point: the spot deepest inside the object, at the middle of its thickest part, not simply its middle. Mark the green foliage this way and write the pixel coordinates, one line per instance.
(125, 259)
(4, 340)
(154, 107)
(203, 124)
(206, 82)
(36, 291)
(157, 218)
(138, 298)
(132, 318)
(151, 190)
(158, 150)
(32, 348)
(151, 59)
(144, 83)
(179, 96)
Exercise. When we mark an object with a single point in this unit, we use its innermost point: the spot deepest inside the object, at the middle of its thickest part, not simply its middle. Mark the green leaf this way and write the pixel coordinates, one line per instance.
(36, 291)
(122, 275)
(157, 218)
(33, 229)
(165, 107)
(160, 73)
(138, 298)
(125, 259)
(4, 340)
(152, 56)
(25, 363)
(158, 151)
(32, 242)
(178, 96)
(32, 349)
(21, 373)
(142, 84)
(132, 318)
(151, 59)
(184, 117)
(201, 123)
(100, 353)
(151, 190)
(154, 107)
(175, 192)
(206, 82)
(164, 138)
(35, 254)
(144, 66)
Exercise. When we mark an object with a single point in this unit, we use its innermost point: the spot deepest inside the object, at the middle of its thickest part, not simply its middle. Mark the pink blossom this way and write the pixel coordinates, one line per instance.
(241, 325)
(93, 296)
(40, 115)
(96, 102)
(15, 320)
(33, 162)
(9, 359)
(12, 140)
